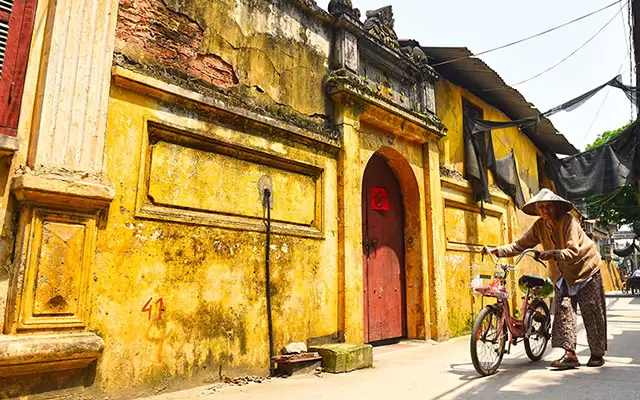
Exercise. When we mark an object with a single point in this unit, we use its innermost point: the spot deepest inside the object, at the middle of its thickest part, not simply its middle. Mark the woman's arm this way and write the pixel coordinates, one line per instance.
(528, 240)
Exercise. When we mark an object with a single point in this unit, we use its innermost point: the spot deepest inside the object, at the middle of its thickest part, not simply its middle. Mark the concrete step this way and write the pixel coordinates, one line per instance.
(344, 357)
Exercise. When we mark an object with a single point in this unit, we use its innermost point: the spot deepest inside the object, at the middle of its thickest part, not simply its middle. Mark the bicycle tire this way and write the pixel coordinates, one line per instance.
(535, 353)
(477, 334)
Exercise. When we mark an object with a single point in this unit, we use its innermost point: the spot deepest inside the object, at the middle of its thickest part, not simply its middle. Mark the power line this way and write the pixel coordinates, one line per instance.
(603, 101)
(570, 54)
(528, 37)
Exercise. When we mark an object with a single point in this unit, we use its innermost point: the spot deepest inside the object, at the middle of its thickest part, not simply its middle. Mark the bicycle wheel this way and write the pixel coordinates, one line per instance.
(488, 340)
(538, 323)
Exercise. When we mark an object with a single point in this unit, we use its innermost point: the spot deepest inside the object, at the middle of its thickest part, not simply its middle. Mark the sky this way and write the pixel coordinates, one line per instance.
(483, 25)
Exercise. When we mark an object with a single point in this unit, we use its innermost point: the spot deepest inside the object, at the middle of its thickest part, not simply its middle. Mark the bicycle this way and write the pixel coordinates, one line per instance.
(494, 326)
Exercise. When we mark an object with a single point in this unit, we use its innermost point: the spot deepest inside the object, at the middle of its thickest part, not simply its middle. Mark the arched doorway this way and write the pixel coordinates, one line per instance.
(385, 315)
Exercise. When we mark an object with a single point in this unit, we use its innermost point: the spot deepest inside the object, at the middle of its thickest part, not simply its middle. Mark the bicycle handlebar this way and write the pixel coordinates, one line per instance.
(535, 256)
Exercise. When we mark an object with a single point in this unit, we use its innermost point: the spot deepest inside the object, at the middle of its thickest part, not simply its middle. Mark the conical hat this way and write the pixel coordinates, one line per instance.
(546, 195)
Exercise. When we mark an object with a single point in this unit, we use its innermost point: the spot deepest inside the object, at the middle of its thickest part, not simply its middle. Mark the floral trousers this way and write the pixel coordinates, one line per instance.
(593, 309)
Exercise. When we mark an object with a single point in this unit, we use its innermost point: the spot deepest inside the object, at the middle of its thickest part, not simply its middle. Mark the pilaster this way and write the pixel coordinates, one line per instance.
(63, 190)
(351, 300)
(436, 244)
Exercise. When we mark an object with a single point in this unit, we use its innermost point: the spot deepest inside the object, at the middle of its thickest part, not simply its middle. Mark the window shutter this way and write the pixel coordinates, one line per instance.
(5, 10)
(16, 27)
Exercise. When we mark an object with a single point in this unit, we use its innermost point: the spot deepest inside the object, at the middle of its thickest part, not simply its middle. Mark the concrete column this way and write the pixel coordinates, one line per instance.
(350, 279)
(436, 244)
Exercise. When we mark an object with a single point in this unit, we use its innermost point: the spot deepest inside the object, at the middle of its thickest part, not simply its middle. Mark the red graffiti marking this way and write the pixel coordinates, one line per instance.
(160, 308)
(158, 331)
(146, 308)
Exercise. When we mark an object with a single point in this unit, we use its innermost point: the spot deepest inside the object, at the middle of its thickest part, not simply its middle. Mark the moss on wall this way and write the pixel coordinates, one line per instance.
(187, 300)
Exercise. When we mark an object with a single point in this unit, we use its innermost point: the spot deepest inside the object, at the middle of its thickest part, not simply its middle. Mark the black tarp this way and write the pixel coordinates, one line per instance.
(480, 158)
(600, 170)
(480, 125)
(626, 251)
(478, 155)
(595, 172)
(507, 179)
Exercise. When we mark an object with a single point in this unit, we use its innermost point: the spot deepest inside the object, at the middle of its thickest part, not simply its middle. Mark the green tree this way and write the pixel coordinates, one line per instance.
(608, 135)
(621, 207)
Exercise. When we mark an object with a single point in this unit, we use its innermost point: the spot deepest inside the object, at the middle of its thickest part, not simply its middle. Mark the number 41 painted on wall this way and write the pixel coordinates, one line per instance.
(148, 308)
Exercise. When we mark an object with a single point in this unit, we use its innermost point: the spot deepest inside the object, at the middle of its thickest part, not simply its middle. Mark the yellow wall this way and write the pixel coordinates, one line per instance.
(276, 52)
(449, 108)
(180, 264)
(466, 230)
(211, 280)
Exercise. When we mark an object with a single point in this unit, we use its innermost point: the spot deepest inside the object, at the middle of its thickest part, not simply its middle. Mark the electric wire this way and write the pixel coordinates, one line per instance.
(570, 54)
(595, 117)
(528, 37)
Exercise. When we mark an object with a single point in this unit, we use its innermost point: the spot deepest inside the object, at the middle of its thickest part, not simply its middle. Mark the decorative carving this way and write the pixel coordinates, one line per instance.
(416, 54)
(55, 288)
(350, 52)
(379, 23)
(339, 7)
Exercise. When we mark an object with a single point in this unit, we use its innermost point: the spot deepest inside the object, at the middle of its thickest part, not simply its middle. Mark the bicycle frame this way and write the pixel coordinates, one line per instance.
(517, 328)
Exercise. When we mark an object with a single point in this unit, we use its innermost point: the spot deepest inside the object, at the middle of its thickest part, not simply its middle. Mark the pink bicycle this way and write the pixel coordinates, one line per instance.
(494, 326)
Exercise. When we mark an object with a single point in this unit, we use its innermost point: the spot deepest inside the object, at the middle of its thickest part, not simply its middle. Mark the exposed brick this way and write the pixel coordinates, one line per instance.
(168, 39)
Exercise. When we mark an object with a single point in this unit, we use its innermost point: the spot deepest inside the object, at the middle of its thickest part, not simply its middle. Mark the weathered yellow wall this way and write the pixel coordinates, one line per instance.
(209, 280)
(449, 108)
(466, 230)
(276, 53)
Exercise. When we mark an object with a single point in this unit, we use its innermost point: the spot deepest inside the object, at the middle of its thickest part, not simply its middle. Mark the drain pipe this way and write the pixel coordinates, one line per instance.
(267, 264)
(264, 184)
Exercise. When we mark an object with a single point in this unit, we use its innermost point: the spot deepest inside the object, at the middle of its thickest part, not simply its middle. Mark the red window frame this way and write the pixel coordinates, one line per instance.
(21, 20)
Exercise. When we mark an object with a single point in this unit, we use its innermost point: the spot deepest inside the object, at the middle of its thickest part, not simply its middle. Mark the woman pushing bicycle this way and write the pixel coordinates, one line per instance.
(574, 264)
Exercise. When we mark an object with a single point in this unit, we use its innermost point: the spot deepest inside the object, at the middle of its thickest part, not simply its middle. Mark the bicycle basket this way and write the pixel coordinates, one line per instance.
(487, 281)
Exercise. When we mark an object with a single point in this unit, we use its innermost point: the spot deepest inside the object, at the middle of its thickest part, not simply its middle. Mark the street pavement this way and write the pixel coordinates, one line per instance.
(429, 370)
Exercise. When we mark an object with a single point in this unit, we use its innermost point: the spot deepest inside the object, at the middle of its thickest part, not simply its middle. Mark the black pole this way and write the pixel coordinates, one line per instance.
(267, 264)
(635, 17)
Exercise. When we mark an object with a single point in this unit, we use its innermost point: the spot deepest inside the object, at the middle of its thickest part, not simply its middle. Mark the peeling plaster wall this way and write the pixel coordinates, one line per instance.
(179, 283)
(188, 300)
(464, 225)
(275, 49)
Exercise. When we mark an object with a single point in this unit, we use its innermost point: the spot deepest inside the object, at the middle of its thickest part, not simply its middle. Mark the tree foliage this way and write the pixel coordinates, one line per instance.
(608, 135)
(621, 207)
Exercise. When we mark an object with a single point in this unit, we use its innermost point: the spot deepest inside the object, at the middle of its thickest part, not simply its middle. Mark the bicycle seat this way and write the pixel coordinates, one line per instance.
(532, 281)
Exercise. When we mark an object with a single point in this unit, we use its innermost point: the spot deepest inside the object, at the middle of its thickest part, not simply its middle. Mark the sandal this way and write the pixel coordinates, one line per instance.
(595, 361)
(565, 362)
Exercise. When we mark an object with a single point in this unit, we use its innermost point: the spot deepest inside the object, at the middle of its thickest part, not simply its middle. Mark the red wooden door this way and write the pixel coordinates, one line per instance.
(383, 253)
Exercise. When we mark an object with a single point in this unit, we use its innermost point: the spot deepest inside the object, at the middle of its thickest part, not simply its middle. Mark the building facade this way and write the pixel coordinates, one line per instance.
(135, 238)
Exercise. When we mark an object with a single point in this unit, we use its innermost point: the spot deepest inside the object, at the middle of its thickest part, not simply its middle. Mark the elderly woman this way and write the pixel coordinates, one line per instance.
(574, 268)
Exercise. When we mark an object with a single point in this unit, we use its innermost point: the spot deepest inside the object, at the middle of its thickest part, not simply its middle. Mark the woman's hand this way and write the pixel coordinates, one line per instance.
(490, 250)
(547, 255)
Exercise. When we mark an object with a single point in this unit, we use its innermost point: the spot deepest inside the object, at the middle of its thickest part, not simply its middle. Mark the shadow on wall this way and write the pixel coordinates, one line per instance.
(48, 385)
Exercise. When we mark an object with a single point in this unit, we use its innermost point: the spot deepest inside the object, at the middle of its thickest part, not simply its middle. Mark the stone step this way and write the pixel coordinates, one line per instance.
(344, 357)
